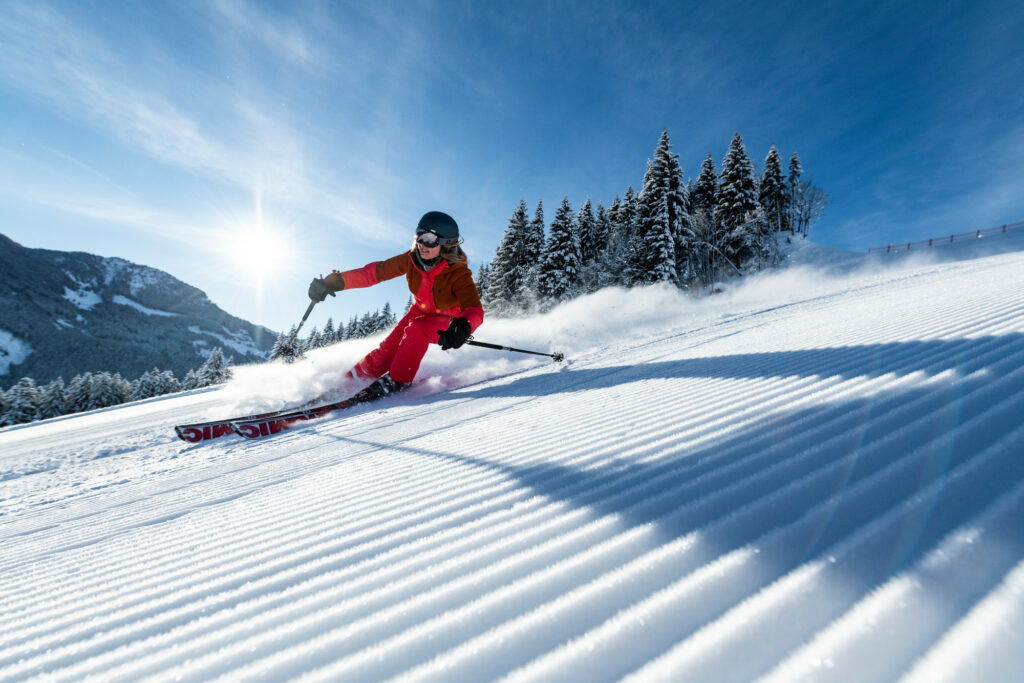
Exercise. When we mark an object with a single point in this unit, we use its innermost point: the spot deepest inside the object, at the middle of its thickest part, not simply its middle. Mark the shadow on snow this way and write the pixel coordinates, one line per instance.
(880, 480)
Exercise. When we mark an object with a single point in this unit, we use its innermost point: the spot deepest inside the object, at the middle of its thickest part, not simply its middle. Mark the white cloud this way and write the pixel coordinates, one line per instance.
(229, 137)
(285, 39)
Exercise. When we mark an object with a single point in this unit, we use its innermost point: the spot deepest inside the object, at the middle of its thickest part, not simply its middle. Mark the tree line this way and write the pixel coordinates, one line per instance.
(689, 233)
(26, 401)
(358, 327)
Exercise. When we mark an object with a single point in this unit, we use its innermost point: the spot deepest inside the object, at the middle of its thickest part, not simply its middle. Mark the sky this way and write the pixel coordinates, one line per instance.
(246, 147)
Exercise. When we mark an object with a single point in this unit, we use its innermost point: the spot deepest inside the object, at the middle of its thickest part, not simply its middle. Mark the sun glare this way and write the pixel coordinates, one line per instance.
(259, 249)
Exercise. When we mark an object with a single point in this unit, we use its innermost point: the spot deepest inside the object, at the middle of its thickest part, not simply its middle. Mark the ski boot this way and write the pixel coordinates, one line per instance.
(379, 389)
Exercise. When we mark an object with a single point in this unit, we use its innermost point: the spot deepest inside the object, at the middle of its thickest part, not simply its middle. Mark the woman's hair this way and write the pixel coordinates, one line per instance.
(452, 254)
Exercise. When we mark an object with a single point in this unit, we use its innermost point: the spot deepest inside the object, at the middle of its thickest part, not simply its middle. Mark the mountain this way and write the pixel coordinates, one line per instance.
(65, 313)
(815, 475)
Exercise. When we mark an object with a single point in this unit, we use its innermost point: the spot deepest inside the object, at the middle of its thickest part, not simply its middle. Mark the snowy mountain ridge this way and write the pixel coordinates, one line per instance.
(67, 313)
(815, 475)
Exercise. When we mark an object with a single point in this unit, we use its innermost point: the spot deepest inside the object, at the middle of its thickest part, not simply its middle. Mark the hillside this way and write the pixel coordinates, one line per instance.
(814, 475)
(66, 313)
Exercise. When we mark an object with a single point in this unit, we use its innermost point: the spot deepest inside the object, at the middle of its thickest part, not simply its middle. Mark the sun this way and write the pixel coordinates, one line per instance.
(259, 249)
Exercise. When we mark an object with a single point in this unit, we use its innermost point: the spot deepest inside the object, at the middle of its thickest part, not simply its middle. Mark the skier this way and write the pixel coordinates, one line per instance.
(446, 307)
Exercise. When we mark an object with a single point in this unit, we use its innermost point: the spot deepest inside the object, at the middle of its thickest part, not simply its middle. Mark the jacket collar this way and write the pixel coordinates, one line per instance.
(423, 265)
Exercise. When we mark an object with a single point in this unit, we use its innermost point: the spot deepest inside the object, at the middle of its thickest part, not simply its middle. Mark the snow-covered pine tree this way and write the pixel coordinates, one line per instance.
(313, 341)
(378, 322)
(589, 246)
(536, 241)
(121, 388)
(654, 260)
(352, 329)
(22, 402)
(624, 244)
(705, 190)
(704, 258)
(142, 387)
(534, 245)
(602, 228)
(611, 262)
(216, 370)
(590, 249)
(508, 269)
(154, 381)
(365, 328)
(772, 193)
(167, 383)
(4, 405)
(191, 380)
(328, 336)
(663, 200)
(78, 393)
(52, 399)
(280, 348)
(737, 196)
(761, 243)
(793, 191)
(560, 267)
(482, 280)
(678, 201)
(107, 390)
(136, 389)
(151, 383)
(388, 317)
(594, 276)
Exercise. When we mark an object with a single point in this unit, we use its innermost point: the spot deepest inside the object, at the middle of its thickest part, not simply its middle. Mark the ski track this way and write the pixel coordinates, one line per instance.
(817, 488)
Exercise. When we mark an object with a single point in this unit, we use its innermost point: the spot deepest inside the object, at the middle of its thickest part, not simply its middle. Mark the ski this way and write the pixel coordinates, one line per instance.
(263, 425)
(258, 427)
(204, 431)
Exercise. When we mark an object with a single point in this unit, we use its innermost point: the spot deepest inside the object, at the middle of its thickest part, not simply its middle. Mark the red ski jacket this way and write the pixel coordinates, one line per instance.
(445, 289)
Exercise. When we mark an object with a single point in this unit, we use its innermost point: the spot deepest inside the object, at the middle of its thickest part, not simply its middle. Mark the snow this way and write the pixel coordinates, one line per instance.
(139, 277)
(82, 284)
(125, 301)
(816, 474)
(12, 351)
(238, 341)
(83, 298)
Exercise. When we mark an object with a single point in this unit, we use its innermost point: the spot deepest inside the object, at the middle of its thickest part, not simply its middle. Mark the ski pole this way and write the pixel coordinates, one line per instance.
(557, 356)
(289, 346)
(309, 309)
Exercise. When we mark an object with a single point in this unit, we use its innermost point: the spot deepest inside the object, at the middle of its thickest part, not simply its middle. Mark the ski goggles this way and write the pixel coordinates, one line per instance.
(430, 239)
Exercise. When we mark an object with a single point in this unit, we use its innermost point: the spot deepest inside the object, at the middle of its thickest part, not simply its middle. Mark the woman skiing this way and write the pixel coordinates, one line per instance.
(446, 307)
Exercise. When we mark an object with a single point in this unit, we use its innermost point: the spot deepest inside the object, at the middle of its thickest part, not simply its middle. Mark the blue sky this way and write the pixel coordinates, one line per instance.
(245, 147)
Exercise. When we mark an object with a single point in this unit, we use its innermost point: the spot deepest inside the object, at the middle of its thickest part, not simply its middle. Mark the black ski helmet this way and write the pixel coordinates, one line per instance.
(441, 224)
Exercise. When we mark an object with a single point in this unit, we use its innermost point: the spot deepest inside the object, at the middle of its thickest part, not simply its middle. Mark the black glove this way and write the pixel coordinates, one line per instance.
(456, 334)
(319, 289)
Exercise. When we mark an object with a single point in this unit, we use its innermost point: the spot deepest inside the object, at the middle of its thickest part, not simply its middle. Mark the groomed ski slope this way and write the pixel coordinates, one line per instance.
(816, 475)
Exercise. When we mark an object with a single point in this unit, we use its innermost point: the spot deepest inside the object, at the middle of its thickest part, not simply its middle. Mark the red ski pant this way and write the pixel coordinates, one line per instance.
(401, 351)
